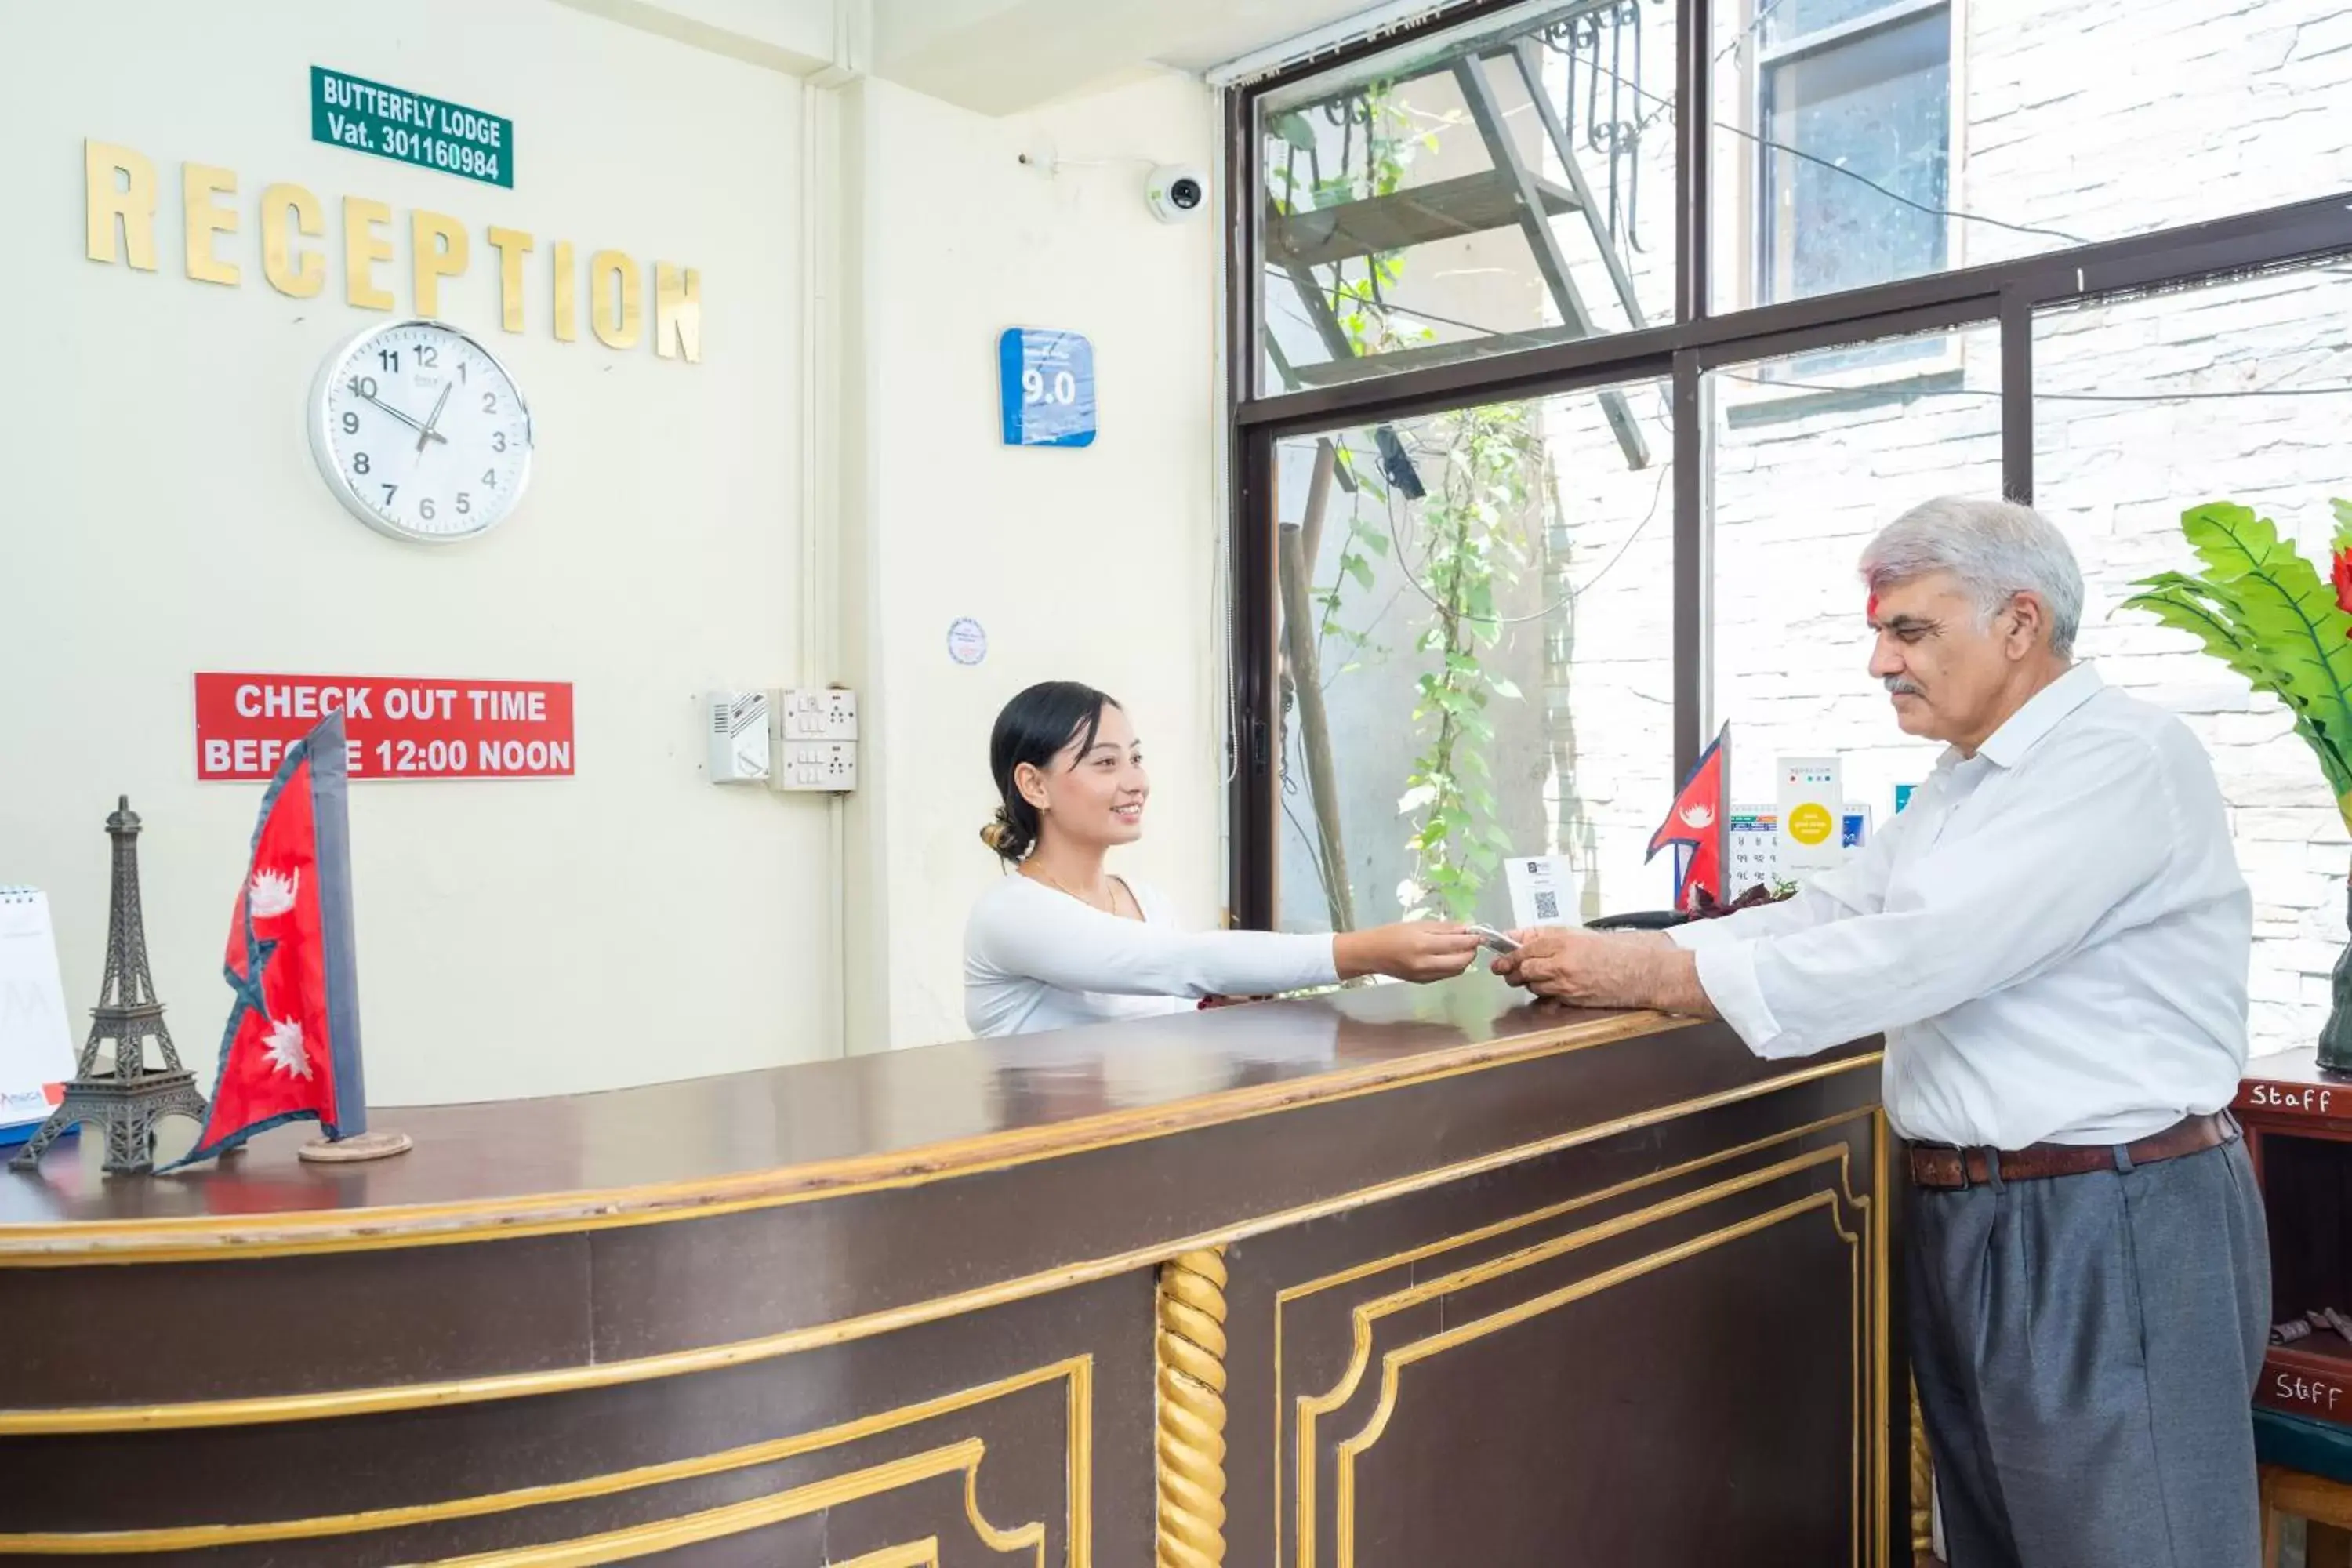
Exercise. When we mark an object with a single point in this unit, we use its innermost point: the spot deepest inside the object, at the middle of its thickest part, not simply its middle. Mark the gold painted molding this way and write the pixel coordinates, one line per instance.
(1076, 1373)
(265, 1408)
(1190, 1354)
(1882, 1211)
(922, 1554)
(756, 1513)
(1290, 1294)
(212, 1237)
(1365, 1315)
(1923, 1482)
(1393, 1363)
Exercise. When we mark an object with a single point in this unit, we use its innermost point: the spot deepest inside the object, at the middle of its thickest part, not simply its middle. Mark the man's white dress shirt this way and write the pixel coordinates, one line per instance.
(2053, 935)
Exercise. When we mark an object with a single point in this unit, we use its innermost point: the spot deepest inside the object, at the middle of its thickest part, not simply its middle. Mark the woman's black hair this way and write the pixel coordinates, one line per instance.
(1033, 728)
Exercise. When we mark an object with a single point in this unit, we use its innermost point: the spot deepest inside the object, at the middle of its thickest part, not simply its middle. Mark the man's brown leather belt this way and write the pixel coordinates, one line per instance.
(1936, 1165)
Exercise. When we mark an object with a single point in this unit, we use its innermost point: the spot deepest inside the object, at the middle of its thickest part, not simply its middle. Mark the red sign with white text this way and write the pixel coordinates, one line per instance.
(398, 727)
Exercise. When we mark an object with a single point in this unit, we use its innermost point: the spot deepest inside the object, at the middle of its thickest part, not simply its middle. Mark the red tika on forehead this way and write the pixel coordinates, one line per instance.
(1870, 608)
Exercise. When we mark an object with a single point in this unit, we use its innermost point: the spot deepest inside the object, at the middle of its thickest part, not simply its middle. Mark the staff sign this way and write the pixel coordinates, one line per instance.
(1047, 383)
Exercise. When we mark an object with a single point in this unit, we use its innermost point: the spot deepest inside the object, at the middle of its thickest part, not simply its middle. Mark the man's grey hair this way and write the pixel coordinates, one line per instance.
(1996, 548)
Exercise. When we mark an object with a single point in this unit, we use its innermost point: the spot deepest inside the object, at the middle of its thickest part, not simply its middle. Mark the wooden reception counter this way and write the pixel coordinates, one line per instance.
(1426, 1278)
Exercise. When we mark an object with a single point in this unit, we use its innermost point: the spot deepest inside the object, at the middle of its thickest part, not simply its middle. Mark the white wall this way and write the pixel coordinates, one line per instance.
(631, 923)
(165, 516)
(1092, 564)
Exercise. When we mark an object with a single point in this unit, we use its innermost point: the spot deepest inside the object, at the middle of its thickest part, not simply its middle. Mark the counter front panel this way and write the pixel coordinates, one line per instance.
(1395, 1277)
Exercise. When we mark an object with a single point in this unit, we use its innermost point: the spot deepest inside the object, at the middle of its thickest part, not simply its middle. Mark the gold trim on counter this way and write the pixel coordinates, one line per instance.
(1289, 1294)
(922, 1554)
(1079, 1437)
(757, 1513)
(1188, 1351)
(1364, 1315)
(209, 1238)
(1923, 1482)
(1395, 1361)
(262, 1408)
(1881, 1208)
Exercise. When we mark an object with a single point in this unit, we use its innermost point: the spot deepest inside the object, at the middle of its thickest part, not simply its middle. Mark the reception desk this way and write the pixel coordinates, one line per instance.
(1398, 1279)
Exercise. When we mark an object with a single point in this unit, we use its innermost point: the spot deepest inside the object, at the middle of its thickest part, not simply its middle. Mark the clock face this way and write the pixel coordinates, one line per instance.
(421, 432)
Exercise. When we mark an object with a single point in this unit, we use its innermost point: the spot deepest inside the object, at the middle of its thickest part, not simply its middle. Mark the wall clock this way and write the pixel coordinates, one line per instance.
(421, 432)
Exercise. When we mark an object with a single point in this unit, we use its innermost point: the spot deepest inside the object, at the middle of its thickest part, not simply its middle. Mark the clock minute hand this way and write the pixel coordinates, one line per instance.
(425, 432)
(408, 419)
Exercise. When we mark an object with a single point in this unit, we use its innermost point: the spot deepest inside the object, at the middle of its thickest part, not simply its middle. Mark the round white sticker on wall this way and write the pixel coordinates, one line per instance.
(967, 641)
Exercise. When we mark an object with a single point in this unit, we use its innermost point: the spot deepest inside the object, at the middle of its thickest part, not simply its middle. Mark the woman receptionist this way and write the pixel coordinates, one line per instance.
(1063, 942)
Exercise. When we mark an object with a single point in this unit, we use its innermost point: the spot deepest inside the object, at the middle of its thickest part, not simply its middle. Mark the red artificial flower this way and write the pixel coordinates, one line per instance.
(2343, 579)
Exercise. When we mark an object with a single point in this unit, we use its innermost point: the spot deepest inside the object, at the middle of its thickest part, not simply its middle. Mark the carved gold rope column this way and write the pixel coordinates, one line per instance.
(1923, 1530)
(1190, 1352)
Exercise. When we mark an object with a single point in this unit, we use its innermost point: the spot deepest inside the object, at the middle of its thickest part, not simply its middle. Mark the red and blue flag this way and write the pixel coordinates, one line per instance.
(292, 1050)
(1697, 825)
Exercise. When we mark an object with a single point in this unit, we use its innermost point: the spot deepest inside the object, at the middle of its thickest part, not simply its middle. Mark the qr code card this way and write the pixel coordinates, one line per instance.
(1544, 890)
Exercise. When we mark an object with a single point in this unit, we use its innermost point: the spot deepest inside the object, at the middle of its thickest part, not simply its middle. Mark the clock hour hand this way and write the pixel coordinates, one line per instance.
(408, 419)
(425, 432)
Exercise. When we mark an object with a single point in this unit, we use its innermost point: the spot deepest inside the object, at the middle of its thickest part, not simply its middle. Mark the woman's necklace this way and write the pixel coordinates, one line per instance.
(1061, 886)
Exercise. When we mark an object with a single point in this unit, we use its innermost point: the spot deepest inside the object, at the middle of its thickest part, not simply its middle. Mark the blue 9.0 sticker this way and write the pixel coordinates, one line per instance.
(1046, 384)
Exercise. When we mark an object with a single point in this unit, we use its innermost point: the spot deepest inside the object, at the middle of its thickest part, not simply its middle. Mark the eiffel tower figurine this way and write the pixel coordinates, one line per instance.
(127, 1097)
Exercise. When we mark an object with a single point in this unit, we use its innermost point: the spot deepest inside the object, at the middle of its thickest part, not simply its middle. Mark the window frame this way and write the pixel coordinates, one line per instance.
(1698, 337)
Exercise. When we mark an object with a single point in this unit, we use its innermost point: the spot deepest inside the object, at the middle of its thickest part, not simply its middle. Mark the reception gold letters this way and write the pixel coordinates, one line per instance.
(364, 247)
(199, 184)
(300, 278)
(436, 250)
(677, 311)
(119, 201)
(121, 186)
(513, 245)
(614, 309)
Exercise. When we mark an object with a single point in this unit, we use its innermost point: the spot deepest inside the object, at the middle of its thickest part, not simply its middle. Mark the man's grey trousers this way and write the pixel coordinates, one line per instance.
(2087, 1348)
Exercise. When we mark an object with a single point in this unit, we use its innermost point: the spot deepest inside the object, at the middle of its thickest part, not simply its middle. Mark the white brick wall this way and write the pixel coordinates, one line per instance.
(2221, 109)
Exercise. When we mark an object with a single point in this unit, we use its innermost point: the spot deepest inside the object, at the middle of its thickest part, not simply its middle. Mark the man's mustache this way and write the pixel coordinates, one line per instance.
(1898, 686)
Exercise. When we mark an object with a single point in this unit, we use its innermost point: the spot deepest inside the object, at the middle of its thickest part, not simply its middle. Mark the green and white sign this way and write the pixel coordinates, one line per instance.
(411, 128)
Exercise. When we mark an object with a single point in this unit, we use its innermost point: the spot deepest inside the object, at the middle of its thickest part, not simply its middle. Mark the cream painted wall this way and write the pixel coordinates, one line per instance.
(1092, 564)
(163, 515)
(632, 923)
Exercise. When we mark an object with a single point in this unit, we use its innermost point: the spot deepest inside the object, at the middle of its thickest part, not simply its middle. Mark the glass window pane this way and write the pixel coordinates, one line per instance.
(1477, 659)
(1779, 21)
(1504, 185)
(1802, 473)
(1876, 108)
(1858, 141)
(2146, 406)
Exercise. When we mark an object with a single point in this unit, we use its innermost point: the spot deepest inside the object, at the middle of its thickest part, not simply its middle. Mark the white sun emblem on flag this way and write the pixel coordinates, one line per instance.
(284, 1045)
(1698, 816)
(273, 893)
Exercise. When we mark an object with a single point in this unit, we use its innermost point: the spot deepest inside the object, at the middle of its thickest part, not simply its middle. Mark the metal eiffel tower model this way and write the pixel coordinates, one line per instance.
(127, 1097)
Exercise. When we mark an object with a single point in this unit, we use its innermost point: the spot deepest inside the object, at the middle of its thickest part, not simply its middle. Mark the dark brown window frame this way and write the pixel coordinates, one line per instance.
(2006, 293)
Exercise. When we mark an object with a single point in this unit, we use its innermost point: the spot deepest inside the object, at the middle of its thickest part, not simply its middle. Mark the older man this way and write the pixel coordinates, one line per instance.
(2053, 938)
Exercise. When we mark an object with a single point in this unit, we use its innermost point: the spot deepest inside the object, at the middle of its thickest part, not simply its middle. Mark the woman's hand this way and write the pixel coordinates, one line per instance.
(1419, 951)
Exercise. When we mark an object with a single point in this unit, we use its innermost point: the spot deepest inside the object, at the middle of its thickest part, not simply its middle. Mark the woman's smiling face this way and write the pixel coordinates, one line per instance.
(1092, 795)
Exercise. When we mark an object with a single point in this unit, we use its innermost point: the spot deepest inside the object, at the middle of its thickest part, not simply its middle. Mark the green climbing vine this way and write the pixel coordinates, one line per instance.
(1471, 520)
(1474, 526)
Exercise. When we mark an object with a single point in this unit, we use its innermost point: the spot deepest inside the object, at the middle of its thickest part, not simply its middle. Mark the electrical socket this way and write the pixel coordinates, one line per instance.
(824, 767)
(828, 713)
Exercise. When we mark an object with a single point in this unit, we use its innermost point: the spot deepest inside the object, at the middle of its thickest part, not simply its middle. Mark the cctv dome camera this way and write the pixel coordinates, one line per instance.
(1176, 192)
